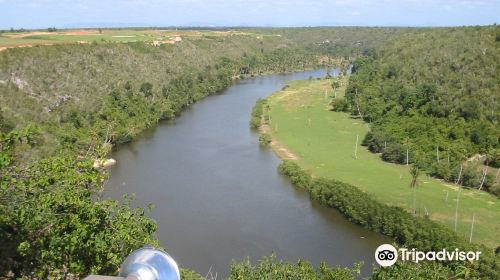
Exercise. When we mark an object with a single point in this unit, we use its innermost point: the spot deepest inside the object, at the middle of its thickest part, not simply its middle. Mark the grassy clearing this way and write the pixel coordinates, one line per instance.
(324, 142)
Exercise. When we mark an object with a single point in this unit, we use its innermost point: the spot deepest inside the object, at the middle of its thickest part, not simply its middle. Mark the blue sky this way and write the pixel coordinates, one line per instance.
(92, 13)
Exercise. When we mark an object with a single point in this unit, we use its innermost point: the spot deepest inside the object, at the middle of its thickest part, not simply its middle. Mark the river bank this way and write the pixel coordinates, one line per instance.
(324, 142)
(218, 196)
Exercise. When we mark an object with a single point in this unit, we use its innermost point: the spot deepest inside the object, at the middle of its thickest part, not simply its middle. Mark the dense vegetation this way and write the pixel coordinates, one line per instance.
(256, 115)
(113, 91)
(345, 42)
(406, 229)
(269, 268)
(52, 224)
(433, 99)
(64, 106)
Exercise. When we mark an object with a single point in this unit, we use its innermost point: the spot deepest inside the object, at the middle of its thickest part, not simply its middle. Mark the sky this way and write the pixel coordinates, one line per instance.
(121, 13)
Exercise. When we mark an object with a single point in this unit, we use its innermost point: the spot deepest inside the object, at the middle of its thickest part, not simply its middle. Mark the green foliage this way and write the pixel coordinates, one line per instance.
(494, 158)
(326, 147)
(53, 223)
(434, 90)
(269, 268)
(340, 105)
(295, 173)
(342, 41)
(190, 275)
(257, 111)
(411, 271)
(120, 89)
(404, 228)
(265, 139)
(9, 140)
(56, 226)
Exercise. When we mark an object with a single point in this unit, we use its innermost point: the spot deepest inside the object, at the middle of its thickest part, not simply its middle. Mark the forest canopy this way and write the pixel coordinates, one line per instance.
(433, 99)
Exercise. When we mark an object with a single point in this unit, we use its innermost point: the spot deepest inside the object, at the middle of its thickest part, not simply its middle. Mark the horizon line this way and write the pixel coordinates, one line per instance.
(117, 26)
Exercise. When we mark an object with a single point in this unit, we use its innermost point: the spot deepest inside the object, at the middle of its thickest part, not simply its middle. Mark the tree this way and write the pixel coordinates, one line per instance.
(414, 172)
(58, 225)
(412, 93)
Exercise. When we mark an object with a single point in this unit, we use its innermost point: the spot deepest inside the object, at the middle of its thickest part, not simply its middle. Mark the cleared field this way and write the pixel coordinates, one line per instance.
(324, 142)
(32, 38)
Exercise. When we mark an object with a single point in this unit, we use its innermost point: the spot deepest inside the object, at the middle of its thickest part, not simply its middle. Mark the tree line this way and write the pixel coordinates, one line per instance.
(405, 229)
(53, 221)
(433, 100)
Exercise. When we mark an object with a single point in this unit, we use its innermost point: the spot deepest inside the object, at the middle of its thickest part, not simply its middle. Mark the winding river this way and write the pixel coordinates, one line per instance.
(218, 194)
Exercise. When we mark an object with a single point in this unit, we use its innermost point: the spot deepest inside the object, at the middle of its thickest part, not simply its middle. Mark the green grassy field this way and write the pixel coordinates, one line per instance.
(324, 142)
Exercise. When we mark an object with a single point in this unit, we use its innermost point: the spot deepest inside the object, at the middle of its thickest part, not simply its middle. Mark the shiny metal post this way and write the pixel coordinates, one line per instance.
(146, 263)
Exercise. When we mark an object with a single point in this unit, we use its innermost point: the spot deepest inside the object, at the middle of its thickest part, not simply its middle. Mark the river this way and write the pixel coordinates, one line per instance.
(218, 194)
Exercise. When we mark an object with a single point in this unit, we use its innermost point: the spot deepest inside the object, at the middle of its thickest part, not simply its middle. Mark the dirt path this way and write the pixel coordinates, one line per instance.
(281, 150)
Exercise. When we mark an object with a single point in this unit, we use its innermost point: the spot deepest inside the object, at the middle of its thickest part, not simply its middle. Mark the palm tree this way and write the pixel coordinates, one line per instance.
(414, 172)
(335, 86)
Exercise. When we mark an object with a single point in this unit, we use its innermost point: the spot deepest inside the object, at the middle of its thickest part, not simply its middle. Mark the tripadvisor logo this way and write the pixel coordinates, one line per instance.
(387, 255)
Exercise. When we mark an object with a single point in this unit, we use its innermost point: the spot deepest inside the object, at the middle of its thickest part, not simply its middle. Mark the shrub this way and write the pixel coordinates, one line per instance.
(394, 153)
(269, 268)
(340, 105)
(296, 174)
(265, 139)
(257, 111)
(58, 227)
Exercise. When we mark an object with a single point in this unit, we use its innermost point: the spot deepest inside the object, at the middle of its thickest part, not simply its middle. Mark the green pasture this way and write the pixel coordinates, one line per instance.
(325, 144)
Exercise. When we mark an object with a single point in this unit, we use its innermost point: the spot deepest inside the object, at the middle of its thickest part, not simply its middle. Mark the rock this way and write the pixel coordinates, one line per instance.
(104, 163)
(109, 162)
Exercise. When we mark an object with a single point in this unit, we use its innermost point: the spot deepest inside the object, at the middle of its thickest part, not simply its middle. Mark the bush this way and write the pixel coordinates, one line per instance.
(265, 139)
(443, 170)
(494, 158)
(394, 153)
(257, 111)
(340, 105)
(269, 268)
(407, 270)
(296, 174)
(58, 227)
(471, 177)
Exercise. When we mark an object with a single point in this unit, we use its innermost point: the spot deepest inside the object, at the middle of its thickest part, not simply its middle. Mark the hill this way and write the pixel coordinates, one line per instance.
(433, 99)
